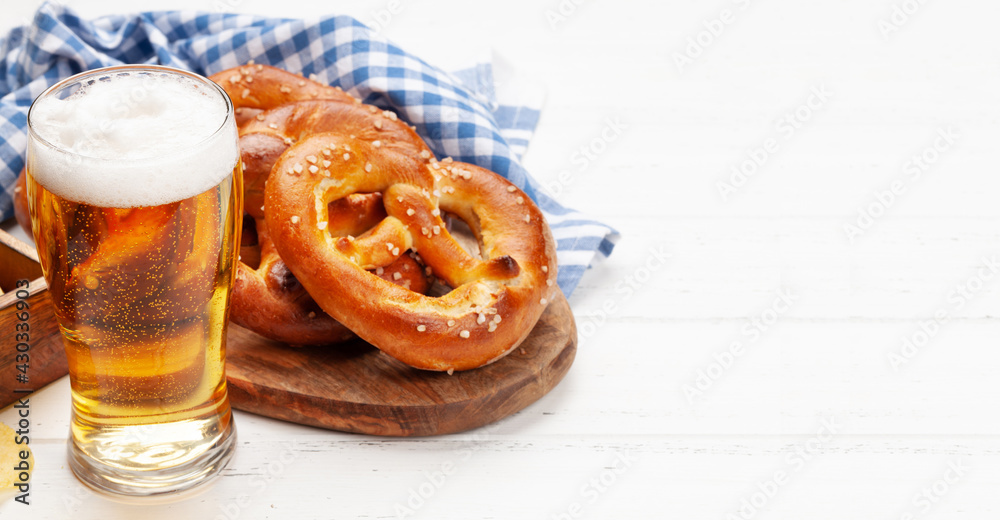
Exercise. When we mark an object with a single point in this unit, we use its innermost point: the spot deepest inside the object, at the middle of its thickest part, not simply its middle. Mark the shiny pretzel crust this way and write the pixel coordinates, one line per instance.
(495, 301)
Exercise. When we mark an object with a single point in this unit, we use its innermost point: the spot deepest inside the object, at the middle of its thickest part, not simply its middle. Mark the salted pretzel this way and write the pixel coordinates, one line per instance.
(494, 302)
(267, 298)
(255, 88)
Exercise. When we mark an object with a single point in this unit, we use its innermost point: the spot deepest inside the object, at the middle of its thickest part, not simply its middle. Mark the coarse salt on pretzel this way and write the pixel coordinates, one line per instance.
(268, 135)
(266, 296)
(268, 299)
(495, 301)
(254, 88)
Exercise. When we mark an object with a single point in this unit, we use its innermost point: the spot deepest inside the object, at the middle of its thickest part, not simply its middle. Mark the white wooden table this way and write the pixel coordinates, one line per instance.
(761, 370)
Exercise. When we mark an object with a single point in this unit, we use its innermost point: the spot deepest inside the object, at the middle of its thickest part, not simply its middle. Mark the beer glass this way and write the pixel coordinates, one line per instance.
(134, 185)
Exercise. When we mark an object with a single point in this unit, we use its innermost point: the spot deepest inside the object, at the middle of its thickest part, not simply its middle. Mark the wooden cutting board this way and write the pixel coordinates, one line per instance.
(356, 388)
(351, 387)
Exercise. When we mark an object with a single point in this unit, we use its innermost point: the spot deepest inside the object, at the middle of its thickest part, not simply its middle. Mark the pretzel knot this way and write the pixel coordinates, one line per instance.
(494, 302)
(267, 297)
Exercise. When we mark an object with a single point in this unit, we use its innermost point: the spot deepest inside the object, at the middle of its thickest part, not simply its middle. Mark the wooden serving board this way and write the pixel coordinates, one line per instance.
(46, 360)
(356, 388)
(351, 387)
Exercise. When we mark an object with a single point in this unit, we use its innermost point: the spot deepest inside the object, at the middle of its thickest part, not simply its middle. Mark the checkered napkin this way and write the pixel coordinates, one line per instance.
(459, 114)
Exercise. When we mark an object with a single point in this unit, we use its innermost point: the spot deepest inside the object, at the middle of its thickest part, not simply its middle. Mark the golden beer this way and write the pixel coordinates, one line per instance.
(140, 294)
(140, 275)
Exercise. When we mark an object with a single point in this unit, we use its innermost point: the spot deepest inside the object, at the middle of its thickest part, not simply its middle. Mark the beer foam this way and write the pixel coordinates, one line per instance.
(133, 139)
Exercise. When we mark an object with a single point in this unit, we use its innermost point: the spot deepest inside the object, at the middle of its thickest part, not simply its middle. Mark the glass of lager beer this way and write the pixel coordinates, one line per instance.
(135, 191)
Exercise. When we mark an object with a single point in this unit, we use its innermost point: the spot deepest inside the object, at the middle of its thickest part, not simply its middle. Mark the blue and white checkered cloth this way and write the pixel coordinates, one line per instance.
(458, 114)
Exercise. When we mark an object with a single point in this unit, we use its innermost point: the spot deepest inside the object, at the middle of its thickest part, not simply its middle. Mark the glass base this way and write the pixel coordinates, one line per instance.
(121, 480)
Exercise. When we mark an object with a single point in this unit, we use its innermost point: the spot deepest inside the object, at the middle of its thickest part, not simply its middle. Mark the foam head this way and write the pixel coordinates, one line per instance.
(138, 137)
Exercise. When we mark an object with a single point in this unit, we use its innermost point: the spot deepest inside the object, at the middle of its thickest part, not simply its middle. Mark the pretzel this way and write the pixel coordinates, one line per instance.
(267, 298)
(494, 302)
(255, 88)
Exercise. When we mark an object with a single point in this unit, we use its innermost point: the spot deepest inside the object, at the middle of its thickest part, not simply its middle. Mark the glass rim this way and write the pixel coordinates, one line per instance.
(103, 71)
